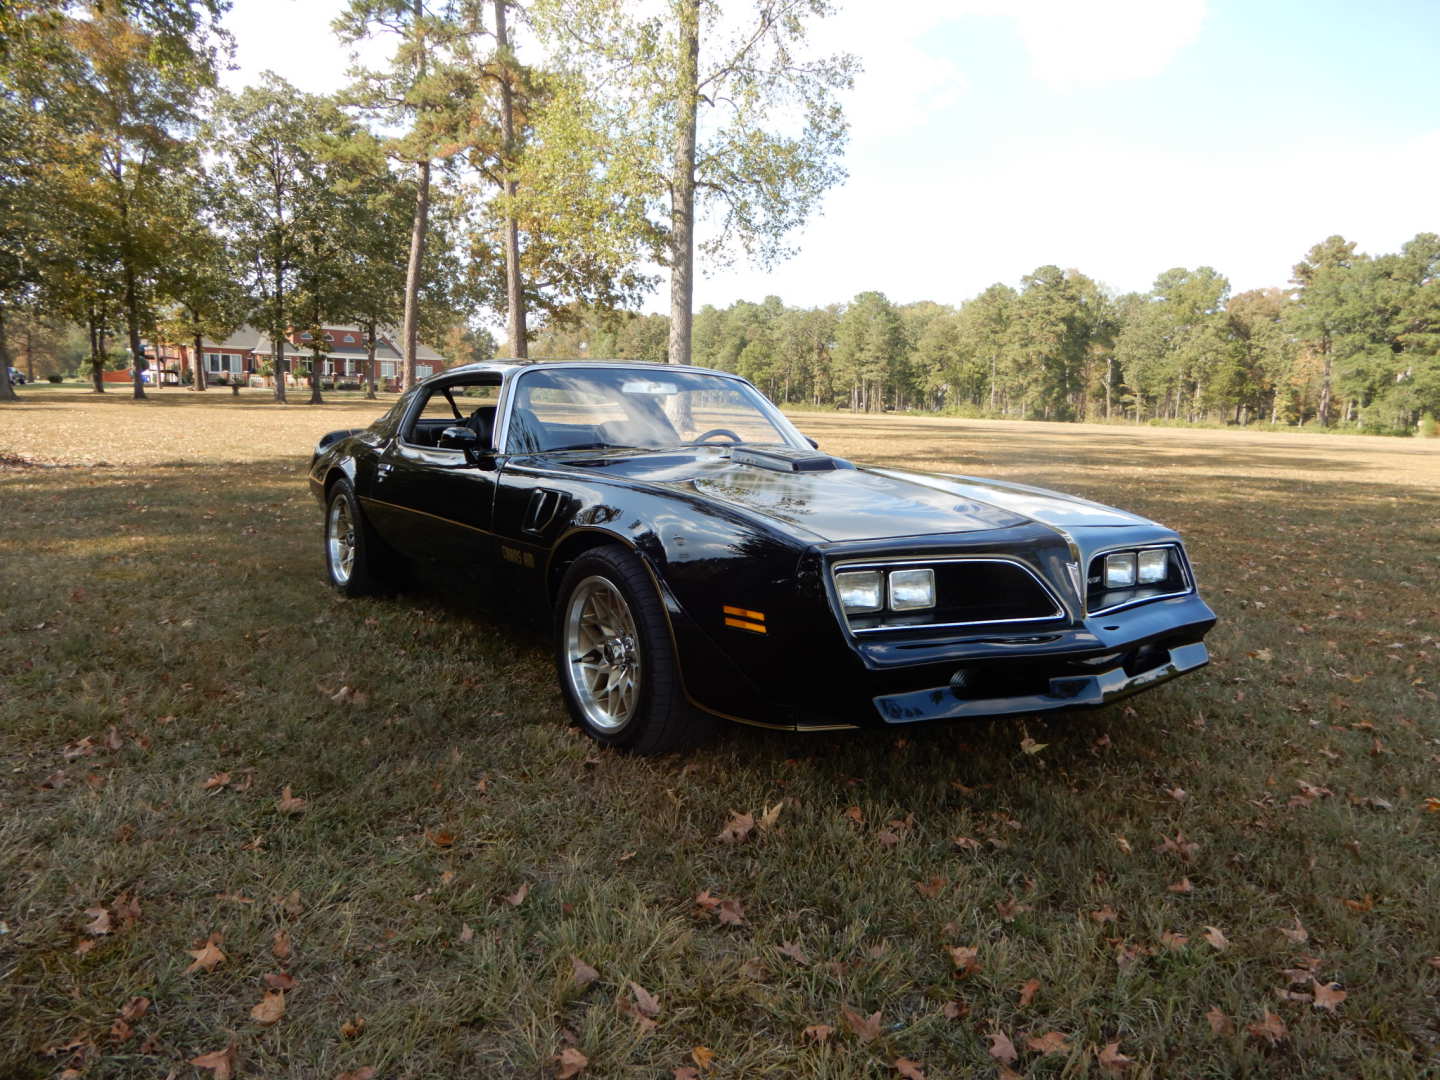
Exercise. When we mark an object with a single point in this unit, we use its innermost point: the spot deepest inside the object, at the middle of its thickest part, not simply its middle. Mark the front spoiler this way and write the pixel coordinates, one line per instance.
(1066, 692)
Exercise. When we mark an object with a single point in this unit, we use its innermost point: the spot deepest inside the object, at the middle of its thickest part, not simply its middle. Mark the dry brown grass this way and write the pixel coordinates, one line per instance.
(182, 608)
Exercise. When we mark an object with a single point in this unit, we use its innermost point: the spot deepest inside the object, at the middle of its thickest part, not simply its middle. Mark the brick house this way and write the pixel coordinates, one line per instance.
(245, 353)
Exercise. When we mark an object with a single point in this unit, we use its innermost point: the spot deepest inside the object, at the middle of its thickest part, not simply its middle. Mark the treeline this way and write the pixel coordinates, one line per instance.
(1354, 339)
(459, 180)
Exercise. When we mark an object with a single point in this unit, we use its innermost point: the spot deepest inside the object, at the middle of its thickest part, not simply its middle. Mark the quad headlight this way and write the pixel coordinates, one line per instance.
(1126, 569)
(1120, 570)
(868, 591)
(860, 591)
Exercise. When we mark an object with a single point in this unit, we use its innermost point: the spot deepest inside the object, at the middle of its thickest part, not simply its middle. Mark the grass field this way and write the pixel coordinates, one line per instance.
(1236, 874)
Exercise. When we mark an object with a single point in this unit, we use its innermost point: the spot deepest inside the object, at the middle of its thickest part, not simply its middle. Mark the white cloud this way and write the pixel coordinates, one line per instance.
(1073, 43)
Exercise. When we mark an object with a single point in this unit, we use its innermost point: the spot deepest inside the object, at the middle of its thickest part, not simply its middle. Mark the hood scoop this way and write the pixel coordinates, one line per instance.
(785, 459)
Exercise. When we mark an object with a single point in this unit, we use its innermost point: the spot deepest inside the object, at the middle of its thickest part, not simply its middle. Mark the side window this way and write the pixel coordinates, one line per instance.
(469, 405)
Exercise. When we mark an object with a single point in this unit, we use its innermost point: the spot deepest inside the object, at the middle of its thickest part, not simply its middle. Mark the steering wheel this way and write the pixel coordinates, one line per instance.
(715, 431)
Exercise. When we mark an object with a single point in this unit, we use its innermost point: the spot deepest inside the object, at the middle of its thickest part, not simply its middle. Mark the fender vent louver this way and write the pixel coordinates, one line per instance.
(783, 459)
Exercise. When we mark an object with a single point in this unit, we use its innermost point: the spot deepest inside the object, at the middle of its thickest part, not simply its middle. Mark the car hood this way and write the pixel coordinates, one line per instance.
(858, 503)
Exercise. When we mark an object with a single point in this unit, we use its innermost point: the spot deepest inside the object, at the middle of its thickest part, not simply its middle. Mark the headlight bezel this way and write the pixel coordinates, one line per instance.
(1178, 580)
(968, 591)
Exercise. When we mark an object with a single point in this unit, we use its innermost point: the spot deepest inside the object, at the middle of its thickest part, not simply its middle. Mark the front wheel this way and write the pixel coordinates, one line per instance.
(349, 546)
(615, 658)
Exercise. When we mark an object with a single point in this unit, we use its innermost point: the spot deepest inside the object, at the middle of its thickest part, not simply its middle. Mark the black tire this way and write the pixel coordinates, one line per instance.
(347, 533)
(629, 647)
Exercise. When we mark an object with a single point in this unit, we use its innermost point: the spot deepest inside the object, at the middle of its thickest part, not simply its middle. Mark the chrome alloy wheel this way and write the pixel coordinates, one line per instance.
(340, 540)
(603, 654)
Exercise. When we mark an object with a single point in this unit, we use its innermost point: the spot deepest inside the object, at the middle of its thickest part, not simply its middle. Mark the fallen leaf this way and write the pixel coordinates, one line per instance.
(911, 1070)
(1001, 1048)
(442, 838)
(770, 816)
(581, 973)
(703, 1056)
(1030, 746)
(1432, 804)
(1178, 845)
(1106, 914)
(886, 838)
(818, 1033)
(120, 1030)
(966, 959)
(1367, 904)
(353, 1028)
(855, 814)
(100, 920)
(1219, 1023)
(730, 913)
(1299, 935)
(685, 1072)
(645, 1001)
(1271, 1029)
(955, 1010)
(221, 1061)
(467, 934)
(365, 1072)
(1112, 1060)
(280, 947)
(134, 1009)
(1009, 909)
(1172, 941)
(207, 957)
(572, 1063)
(755, 968)
(270, 1008)
(1328, 995)
(965, 843)
(517, 898)
(1027, 992)
(288, 803)
(219, 780)
(1216, 938)
(279, 980)
(113, 739)
(932, 888)
(737, 829)
(1123, 844)
(794, 952)
(1179, 794)
(1052, 1042)
(864, 1028)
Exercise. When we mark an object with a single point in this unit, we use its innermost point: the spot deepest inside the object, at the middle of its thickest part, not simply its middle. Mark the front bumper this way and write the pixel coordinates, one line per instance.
(950, 702)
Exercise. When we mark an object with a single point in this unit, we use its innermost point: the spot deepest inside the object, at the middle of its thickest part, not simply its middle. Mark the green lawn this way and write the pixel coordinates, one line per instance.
(1179, 875)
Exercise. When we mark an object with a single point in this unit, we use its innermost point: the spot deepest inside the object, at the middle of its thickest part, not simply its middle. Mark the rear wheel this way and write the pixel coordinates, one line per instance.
(615, 658)
(349, 544)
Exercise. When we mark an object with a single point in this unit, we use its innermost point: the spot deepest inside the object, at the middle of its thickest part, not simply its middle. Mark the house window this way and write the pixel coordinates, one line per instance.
(387, 369)
(349, 339)
(306, 336)
(218, 362)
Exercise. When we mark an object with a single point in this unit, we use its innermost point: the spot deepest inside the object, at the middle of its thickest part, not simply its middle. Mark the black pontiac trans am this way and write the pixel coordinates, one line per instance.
(702, 559)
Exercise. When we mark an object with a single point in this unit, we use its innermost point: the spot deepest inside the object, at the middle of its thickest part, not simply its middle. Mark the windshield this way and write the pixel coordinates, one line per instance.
(646, 408)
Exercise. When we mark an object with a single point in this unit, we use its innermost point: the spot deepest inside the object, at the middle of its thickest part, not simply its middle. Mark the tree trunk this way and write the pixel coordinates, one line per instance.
(97, 356)
(197, 367)
(277, 361)
(1325, 384)
(315, 361)
(132, 327)
(411, 329)
(682, 185)
(370, 361)
(515, 327)
(7, 392)
(1109, 383)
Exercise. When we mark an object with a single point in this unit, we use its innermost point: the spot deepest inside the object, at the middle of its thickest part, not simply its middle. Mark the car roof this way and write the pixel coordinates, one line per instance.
(506, 367)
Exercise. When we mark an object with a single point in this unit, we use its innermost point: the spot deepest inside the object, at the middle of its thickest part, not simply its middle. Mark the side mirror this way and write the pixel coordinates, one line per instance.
(813, 444)
(463, 438)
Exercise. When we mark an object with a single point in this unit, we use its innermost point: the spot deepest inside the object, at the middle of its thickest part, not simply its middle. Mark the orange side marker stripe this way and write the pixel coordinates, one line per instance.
(755, 616)
(741, 624)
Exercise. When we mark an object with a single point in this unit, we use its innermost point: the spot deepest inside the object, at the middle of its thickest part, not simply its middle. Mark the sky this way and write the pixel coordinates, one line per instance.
(1117, 137)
